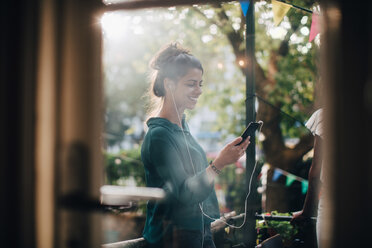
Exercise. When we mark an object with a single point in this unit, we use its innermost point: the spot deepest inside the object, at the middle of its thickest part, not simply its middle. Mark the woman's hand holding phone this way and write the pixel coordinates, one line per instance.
(235, 149)
(231, 152)
(250, 130)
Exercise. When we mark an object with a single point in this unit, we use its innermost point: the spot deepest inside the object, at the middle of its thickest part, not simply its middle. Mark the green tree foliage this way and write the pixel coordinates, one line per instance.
(286, 72)
(122, 166)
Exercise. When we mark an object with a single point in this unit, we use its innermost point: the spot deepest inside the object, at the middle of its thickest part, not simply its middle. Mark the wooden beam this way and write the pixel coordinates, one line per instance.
(141, 4)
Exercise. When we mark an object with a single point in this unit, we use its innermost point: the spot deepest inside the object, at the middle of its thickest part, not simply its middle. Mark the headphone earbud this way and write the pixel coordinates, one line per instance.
(170, 86)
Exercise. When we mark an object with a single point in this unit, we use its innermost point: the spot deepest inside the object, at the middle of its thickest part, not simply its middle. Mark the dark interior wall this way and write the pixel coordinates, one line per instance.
(79, 76)
(349, 97)
(18, 46)
(348, 69)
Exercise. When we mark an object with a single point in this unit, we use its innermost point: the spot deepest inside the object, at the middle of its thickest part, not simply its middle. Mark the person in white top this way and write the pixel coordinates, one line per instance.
(315, 178)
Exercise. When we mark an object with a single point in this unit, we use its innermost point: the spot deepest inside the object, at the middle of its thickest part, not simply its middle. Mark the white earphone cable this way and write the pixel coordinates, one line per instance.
(193, 167)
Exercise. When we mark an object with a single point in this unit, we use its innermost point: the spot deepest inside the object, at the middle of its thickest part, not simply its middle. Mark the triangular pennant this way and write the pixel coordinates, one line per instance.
(280, 10)
(245, 6)
(305, 186)
(290, 180)
(276, 175)
(314, 30)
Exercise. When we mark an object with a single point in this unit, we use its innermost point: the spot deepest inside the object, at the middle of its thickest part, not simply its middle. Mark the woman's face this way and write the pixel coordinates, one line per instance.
(188, 89)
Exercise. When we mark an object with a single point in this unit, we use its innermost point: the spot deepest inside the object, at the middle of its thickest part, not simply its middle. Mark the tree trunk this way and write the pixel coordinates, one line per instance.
(277, 154)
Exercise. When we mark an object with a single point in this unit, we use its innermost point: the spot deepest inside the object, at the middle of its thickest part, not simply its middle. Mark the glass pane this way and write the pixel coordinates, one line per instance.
(286, 78)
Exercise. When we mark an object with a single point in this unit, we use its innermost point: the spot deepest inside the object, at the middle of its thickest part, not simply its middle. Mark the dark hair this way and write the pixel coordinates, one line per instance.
(172, 62)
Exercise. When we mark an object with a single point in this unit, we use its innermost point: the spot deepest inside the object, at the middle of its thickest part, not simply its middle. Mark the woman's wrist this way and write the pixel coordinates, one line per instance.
(217, 164)
(214, 167)
(211, 174)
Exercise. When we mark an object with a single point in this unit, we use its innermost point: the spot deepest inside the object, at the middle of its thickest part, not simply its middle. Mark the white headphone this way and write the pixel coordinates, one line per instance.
(169, 84)
(171, 88)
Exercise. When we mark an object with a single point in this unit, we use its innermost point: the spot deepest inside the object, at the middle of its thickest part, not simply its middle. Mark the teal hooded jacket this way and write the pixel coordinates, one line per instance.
(175, 162)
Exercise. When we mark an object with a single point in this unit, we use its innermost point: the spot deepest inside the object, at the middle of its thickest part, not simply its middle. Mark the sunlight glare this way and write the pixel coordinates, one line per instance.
(209, 13)
(200, 23)
(236, 26)
(213, 29)
(136, 19)
(304, 50)
(277, 32)
(304, 20)
(295, 39)
(305, 31)
(285, 24)
(206, 38)
(113, 26)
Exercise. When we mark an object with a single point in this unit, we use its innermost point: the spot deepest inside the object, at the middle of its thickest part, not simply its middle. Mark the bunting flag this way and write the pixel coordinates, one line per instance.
(276, 175)
(245, 6)
(280, 9)
(305, 186)
(314, 30)
(290, 180)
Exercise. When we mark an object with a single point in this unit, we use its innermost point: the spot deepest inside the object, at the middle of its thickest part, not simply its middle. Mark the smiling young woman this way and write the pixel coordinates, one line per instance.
(173, 159)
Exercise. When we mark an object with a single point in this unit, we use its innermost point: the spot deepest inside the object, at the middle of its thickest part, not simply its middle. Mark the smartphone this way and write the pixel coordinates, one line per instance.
(250, 130)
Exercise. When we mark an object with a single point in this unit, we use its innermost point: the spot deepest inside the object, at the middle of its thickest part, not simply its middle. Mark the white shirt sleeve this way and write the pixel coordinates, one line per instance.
(315, 123)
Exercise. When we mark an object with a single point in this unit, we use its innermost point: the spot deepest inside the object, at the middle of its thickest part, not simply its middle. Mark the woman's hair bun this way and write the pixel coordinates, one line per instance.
(166, 54)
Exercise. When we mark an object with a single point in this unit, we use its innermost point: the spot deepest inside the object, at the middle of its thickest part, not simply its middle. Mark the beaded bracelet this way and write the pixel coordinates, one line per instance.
(214, 168)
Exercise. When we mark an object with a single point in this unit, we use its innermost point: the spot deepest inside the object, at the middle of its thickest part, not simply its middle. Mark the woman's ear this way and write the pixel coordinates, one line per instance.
(169, 84)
